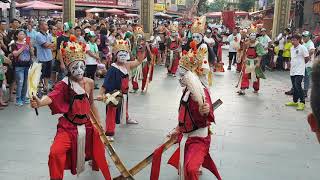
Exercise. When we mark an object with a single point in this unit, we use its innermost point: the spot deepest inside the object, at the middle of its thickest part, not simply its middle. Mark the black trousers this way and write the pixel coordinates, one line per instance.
(298, 93)
(232, 56)
(91, 71)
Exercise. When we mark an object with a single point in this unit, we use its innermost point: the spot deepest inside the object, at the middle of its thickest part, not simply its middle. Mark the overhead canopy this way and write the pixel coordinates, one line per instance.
(114, 11)
(95, 10)
(39, 5)
(131, 15)
(213, 14)
(241, 13)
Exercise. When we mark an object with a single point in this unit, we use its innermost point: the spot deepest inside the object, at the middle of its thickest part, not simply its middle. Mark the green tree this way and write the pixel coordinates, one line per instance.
(217, 5)
(246, 5)
(202, 7)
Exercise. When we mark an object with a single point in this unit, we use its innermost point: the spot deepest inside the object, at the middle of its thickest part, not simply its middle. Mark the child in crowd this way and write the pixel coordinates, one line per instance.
(286, 54)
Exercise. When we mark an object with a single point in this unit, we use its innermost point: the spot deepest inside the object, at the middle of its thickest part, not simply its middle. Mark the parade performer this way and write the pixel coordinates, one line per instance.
(241, 52)
(173, 50)
(195, 118)
(76, 139)
(251, 65)
(198, 30)
(117, 80)
(143, 54)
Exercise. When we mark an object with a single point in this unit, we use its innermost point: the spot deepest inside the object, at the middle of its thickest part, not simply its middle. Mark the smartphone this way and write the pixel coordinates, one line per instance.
(217, 104)
(28, 40)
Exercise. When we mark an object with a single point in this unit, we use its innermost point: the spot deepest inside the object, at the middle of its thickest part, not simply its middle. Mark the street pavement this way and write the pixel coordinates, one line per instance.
(255, 137)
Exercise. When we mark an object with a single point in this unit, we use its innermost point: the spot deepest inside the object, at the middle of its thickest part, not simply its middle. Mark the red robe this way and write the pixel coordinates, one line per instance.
(196, 148)
(63, 152)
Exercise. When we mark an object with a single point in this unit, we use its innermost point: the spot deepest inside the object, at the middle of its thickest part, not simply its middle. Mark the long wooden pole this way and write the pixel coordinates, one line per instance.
(114, 156)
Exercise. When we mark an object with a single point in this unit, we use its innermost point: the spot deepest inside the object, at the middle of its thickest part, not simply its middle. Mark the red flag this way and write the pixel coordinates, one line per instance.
(228, 19)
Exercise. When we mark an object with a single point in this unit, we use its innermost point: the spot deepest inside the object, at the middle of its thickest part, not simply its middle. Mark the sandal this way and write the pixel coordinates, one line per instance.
(131, 121)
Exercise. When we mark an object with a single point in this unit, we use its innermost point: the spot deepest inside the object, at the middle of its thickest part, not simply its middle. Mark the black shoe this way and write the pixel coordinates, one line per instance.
(305, 94)
(229, 68)
(96, 86)
(289, 93)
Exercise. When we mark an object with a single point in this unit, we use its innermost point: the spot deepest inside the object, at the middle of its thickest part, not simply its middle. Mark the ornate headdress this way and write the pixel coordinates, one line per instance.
(192, 60)
(173, 28)
(138, 31)
(198, 25)
(73, 51)
(121, 45)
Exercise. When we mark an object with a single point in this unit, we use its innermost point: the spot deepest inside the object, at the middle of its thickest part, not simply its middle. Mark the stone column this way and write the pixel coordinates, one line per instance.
(69, 11)
(281, 16)
(146, 17)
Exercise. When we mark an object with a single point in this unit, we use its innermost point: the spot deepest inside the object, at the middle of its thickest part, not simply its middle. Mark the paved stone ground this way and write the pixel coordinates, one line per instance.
(256, 136)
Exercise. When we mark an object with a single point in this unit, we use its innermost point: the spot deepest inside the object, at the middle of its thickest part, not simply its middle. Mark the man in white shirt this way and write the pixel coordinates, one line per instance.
(307, 42)
(265, 41)
(234, 44)
(282, 39)
(299, 55)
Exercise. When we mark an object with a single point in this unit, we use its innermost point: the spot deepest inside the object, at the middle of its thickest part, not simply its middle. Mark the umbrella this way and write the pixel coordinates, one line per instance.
(161, 14)
(38, 5)
(131, 15)
(95, 10)
(114, 11)
(213, 14)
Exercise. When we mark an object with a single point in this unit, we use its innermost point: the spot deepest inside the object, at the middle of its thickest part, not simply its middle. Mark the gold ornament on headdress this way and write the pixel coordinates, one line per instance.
(73, 51)
(121, 45)
(173, 28)
(198, 25)
(138, 31)
(192, 60)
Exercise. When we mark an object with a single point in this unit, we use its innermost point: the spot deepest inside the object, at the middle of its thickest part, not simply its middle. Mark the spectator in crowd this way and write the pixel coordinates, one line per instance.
(307, 42)
(78, 34)
(299, 55)
(31, 33)
(265, 41)
(234, 44)
(59, 26)
(3, 59)
(23, 55)
(92, 57)
(53, 33)
(15, 25)
(287, 54)
(44, 52)
(4, 39)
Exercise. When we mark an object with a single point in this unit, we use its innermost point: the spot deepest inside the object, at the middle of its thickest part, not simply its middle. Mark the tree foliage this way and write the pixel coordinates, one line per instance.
(217, 6)
(202, 7)
(246, 5)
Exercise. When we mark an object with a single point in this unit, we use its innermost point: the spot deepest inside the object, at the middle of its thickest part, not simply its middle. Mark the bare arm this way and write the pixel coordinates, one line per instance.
(36, 102)
(133, 64)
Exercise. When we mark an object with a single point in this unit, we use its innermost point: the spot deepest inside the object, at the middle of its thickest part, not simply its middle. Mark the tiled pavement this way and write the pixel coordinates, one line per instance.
(256, 136)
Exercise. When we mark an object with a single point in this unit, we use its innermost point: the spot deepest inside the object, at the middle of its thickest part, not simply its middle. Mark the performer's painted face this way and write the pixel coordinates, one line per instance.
(181, 72)
(77, 69)
(197, 37)
(123, 56)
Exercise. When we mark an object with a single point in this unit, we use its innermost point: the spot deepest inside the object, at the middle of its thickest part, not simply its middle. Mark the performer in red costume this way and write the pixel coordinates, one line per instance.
(173, 50)
(253, 51)
(117, 79)
(195, 118)
(143, 54)
(76, 140)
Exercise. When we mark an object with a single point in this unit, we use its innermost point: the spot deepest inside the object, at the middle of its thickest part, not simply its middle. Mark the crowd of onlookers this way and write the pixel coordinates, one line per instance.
(23, 43)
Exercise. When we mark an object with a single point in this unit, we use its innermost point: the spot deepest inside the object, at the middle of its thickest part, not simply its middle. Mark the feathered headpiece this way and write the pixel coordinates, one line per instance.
(73, 51)
(193, 59)
(198, 25)
(121, 45)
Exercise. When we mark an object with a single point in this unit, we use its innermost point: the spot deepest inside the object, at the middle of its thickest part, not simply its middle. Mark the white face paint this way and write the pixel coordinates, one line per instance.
(77, 69)
(181, 72)
(123, 56)
(197, 37)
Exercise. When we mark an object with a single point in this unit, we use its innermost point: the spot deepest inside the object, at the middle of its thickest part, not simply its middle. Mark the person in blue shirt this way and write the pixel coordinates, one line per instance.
(44, 46)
